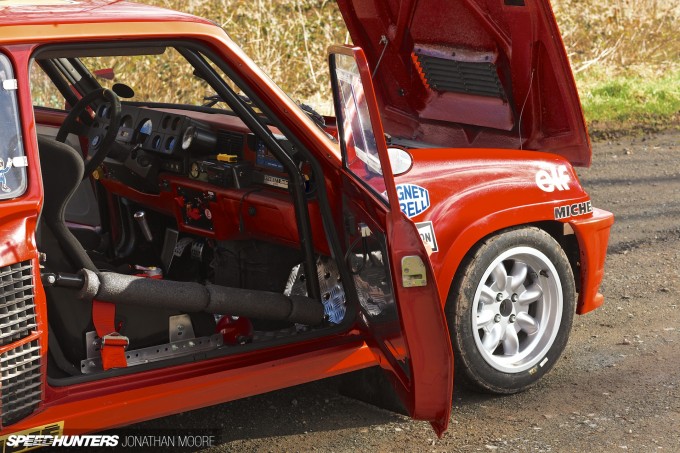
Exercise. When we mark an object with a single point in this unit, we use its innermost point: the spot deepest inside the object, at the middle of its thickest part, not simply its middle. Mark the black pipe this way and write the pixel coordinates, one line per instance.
(195, 297)
(264, 305)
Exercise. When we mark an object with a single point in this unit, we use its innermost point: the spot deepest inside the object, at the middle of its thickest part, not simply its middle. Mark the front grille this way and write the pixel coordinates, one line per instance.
(20, 382)
(475, 78)
(17, 308)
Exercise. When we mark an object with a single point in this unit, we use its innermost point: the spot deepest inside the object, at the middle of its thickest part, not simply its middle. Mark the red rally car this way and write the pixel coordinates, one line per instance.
(175, 232)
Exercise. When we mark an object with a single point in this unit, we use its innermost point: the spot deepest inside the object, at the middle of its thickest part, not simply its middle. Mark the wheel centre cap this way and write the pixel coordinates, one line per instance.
(506, 307)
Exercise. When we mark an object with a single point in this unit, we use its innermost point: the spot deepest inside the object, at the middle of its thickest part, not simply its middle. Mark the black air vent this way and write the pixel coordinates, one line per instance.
(475, 78)
(230, 143)
(17, 310)
(20, 382)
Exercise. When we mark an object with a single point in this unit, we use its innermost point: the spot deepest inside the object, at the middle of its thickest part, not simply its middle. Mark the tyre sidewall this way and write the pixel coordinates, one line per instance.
(461, 303)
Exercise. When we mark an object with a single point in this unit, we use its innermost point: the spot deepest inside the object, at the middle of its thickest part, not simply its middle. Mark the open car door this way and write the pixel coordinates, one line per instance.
(399, 307)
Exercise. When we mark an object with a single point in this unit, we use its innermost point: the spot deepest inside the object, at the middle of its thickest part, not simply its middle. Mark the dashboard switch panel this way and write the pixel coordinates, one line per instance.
(195, 207)
(238, 175)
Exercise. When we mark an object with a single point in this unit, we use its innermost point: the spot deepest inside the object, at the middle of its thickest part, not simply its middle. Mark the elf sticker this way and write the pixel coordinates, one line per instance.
(426, 232)
(554, 178)
(413, 199)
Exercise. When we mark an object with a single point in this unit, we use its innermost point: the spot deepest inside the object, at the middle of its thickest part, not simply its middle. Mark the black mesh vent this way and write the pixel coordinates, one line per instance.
(20, 382)
(480, 79)
(230, 143)
(17, 310)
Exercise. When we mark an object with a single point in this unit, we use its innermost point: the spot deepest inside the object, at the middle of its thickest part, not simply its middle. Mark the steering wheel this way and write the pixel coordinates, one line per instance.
(101, 133)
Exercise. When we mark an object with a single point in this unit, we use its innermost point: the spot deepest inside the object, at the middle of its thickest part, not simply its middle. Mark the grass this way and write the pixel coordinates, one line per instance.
(625, 53)
(626, 101)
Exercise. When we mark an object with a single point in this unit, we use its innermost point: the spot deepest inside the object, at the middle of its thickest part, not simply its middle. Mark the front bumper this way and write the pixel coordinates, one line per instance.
(593, 236)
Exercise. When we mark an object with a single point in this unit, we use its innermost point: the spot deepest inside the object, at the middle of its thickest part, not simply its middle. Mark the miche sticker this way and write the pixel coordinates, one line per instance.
(426, 231)
(554, 178)
(573, 210)
(413, 199)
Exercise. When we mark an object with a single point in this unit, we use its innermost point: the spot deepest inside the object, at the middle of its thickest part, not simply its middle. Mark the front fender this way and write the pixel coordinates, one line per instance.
(464, 240)
(471, 197)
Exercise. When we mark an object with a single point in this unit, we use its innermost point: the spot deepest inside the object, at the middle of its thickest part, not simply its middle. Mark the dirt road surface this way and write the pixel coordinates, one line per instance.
(617, 387)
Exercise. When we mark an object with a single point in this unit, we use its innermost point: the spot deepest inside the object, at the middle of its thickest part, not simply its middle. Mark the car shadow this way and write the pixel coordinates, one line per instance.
(315, 407)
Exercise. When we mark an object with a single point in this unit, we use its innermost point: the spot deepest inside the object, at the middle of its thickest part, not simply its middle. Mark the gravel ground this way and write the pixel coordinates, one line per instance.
(615, 389)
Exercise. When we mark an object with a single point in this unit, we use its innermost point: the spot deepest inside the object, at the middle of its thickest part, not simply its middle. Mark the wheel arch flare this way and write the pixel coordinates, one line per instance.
(459, 197)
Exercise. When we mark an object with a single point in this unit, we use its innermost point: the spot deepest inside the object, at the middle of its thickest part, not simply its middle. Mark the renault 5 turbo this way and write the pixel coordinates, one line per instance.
(176, 232)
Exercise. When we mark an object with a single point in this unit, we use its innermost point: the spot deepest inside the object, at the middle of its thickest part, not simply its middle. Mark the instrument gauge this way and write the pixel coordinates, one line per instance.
(201, 141)
(194, 170)
(144, 130)
(188, 137)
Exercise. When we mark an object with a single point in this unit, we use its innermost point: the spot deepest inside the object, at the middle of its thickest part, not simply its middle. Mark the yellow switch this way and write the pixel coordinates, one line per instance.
(229, 158)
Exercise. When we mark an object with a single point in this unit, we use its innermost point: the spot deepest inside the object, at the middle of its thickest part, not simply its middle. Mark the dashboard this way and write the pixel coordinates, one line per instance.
(165, 140)
(208, 171)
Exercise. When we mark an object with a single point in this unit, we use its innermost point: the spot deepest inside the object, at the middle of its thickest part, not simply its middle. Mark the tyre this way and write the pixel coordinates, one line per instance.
(510, 310)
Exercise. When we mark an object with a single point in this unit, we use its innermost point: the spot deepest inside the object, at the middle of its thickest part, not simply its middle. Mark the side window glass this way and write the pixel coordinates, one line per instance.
(43, 91)
(360, 149)
(12, 158)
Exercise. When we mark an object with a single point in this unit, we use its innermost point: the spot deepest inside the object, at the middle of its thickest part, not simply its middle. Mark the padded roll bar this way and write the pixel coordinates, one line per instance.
(195, 297)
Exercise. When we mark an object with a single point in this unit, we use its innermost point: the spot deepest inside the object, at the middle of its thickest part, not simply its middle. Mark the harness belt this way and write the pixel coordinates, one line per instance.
(113, 344)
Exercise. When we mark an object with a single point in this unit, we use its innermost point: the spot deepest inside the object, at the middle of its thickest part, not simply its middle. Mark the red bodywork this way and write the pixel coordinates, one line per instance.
(487, 186)
(515, 45)
(479, 196)
(474, 192)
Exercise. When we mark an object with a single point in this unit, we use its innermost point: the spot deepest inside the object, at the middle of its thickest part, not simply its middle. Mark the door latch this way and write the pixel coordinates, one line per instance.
(413, 272)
